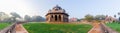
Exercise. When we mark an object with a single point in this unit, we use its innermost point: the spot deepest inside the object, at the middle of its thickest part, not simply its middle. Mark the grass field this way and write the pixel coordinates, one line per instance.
(114, 26)
(57, 28)
(3, 25)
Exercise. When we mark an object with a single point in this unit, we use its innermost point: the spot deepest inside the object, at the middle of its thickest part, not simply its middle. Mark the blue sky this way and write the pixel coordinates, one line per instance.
(79, 8)
(75, 8)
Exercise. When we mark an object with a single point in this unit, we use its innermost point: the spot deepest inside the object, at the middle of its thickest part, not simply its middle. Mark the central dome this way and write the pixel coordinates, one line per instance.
(57, 9)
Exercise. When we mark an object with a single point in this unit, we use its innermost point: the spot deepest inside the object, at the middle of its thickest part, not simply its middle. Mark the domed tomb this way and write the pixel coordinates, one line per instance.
(57, 14)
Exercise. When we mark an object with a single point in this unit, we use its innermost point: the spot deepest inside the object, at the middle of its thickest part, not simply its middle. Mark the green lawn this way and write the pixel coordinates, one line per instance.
(114, 26)
(3, 25)
(57, 28)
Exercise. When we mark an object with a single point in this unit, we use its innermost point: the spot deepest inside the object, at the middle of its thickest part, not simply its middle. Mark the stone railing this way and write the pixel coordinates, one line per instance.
(106, 29)
(9, 29)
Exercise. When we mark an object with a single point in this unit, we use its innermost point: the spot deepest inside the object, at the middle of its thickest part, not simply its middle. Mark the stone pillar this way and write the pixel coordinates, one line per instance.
(67, 20)
(53, 19)
(58, 18)
(62, 18)
(48, 17)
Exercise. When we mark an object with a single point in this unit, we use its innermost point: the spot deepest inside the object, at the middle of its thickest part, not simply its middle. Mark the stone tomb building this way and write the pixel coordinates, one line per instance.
(57, 14)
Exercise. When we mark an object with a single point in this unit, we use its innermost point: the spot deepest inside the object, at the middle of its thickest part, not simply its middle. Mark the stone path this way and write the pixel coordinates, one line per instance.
(20, 29)
(96, 28)
(101, 28)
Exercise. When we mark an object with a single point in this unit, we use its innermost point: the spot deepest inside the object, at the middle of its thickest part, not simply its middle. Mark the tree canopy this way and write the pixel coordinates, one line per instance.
(89, 17)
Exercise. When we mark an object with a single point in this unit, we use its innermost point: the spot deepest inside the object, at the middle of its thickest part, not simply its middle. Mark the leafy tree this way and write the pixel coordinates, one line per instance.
(3, 16)
(14, 16)
(78, 19)
(99, 17)
(89, 17)
(27, 18)
(37, 18)
(8, 19)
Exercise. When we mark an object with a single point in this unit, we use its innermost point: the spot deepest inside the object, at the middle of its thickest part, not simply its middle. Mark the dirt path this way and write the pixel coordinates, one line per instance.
(20, 29)
(96, 28)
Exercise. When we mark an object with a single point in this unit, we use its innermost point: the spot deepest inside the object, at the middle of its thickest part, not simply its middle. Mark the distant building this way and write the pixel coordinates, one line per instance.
(73, 20)
(109, 19)
(57, 14)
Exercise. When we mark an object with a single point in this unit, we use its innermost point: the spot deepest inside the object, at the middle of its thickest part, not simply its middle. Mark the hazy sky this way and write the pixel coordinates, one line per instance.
(75, 8)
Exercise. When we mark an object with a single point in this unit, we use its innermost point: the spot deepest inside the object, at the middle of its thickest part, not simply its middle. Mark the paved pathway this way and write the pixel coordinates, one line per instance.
(101, 28)
(20, 29)
(96, 28)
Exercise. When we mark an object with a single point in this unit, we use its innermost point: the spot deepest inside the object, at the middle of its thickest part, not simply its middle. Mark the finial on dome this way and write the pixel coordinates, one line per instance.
(57, 7)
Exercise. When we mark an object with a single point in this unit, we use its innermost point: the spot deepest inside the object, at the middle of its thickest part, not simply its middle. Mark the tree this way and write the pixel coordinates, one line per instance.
(3, 16)
(14, 16)
(27, 18)
(78, 19)
(37, 18)
(89, 17)
(8, 19)
(99, 17)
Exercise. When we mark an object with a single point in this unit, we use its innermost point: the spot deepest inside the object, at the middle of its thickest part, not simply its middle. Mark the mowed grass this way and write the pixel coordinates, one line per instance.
(114, 26)
(3, 25)
(57, 28)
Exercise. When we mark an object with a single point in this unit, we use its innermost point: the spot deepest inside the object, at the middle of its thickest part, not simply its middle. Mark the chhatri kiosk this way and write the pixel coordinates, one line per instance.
(57, 14)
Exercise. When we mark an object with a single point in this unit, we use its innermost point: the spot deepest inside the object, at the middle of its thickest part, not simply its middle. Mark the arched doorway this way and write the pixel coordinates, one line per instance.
(59, 17)
(56, 18)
